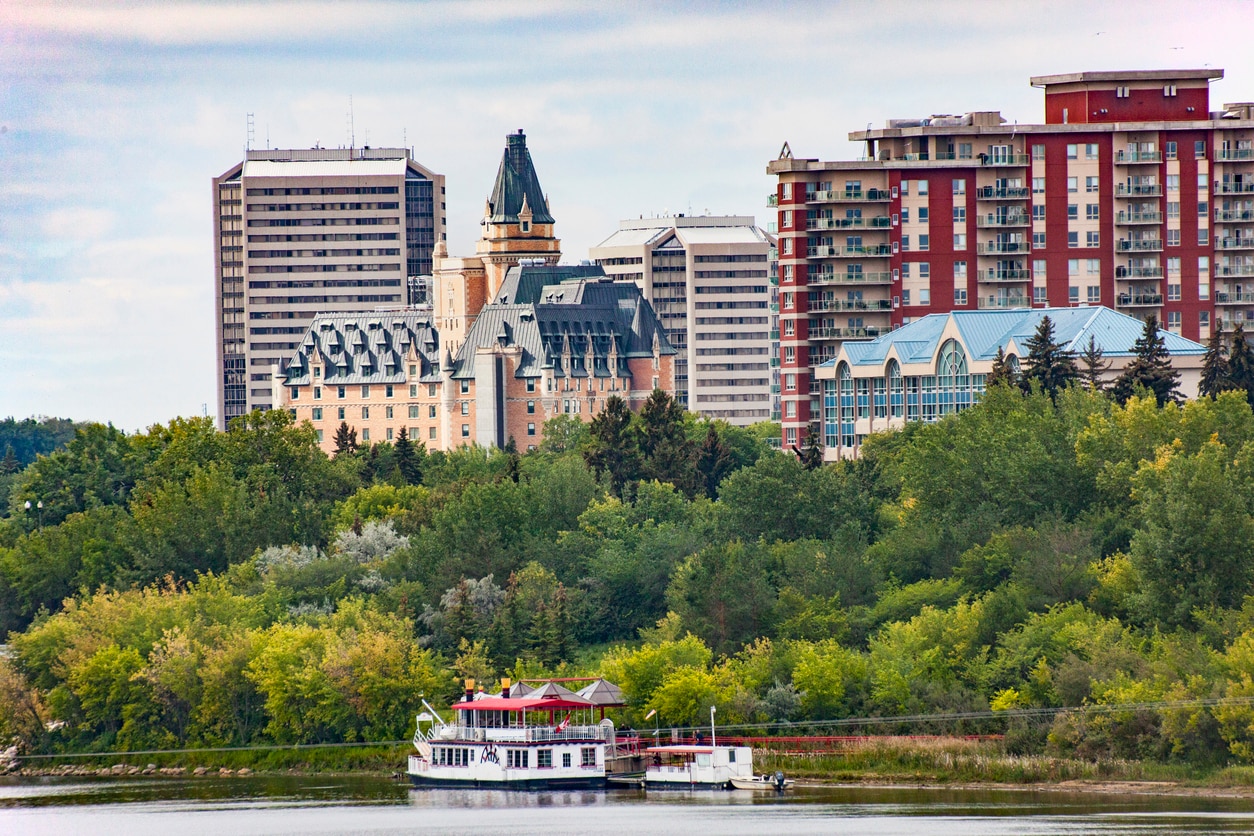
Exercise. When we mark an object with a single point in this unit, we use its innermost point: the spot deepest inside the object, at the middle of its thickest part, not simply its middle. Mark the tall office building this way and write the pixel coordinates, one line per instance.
(1133, 194)
(308, 231)
(708, 279)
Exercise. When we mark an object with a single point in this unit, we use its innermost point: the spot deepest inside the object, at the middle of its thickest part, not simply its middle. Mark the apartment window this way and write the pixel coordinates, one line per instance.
(1073, 295)
(1092, 211)
(1121, 92)
(317, 372)
(1173, 319)
(339, 413)
(1173, 182)
(1038, 185)
(964, 150)
(365, 413)
(1038, 212)
(1203, 208)
(789, 327)
(1173, 238)
(785, 220)
(1202, 183)
(413, 412)
(905, 214)
(1090, 151)
(465, 407)
(924, 241)
(905, 296)
(1073, 267)
(317, 393)
(1072, 152)
(960, 186)
(790, 354)
(431, 433)
(1169, 90)
(1170, 149)
(923, 215)
(1038, 240)
(1073, 211)
(431, 411)
(365, 391)
(1038, 268)
(922, 187)
(1173, 208)
(925, 296)
(790, 383)
(1173, 266)
(1073, 239)
(413, 390)
(905, 270)
(1203, 264)
(1092, 238)
(905, 243)
(389, 434)
(1038, 152)
(339, 391)
(1073, 184)
(788, 272)
(413, 370)
(1203, 319)
(960, 214)
(960, 241)
(960, 296)
(531, 407)
(925, 270)
(430, 390)
(1199, 149)
(1093, 266)
(786, 191)
(531, 384)
(295, 393)
(365, 434)
(905, 188)
(389, 391)
(1203, 237)
(1090, 184)
(387, 412)
(465, 387)
(317, 413)
(1173, 293)
(531, 429)
(1203, 289)
(1039, 296)
(465, 431)
(960, 269)
(1094, 295)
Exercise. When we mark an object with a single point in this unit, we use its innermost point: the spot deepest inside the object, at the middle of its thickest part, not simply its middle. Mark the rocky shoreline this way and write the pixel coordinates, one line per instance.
(120, 770)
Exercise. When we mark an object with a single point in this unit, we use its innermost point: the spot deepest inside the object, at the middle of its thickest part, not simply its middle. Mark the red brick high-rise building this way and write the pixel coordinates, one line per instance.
(1133, 194)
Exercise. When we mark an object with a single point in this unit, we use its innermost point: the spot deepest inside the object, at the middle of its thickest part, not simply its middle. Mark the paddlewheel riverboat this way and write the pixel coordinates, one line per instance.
(547, 737)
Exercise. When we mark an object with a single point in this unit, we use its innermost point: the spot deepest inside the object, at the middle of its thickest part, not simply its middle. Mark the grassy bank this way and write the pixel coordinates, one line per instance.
(979, 762)
(379, 760)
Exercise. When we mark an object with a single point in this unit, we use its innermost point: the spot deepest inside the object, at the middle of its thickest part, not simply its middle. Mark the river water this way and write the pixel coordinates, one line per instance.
(351, 806)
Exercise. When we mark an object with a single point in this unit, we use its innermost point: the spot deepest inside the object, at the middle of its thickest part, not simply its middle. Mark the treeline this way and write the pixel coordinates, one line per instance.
(1046, 549)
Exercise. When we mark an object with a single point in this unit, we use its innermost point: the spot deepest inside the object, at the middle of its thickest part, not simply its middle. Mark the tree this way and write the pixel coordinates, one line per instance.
(812, 453)
(612, 447)
(1002, 373)
(1150, 367)
(346, 439)
(9, 464)
(714, 462)
(1095, 365)
(1214, 367)
(1048, 363)
(668, 454)
(408, 458)
(1241, 364)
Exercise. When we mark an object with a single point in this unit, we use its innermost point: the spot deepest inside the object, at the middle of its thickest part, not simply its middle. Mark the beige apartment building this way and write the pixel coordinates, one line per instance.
(303, 232)
(708, 279)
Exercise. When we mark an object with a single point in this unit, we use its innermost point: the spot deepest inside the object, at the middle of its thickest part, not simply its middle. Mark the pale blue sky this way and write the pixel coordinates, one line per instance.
(115, 116)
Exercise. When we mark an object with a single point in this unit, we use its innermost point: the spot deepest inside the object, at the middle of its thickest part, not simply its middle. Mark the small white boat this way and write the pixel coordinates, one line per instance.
(762, 783)
(697, 766)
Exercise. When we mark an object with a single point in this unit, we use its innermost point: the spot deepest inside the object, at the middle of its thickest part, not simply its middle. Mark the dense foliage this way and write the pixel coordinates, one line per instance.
(1047, 548)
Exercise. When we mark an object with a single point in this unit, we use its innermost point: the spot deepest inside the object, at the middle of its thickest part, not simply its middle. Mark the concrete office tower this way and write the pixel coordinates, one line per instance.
(308, 231)
(708, 279)
(1132, 194)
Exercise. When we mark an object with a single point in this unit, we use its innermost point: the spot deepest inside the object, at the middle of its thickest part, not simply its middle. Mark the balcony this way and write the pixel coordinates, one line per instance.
(878, 222)
(774, 307)
(1002, 220)
(1010, 193)
(1005, 275)
(1139, 300)
(1234, 298)
(1130, 218)
(1236, 271)
(1234, 155)
(829, 305)
(1138, 272)
(772, 200)
(1004, 159)
(1138, 190)
(1230, 187)
(1132, 157)
(775, 362)
(1004, 302)
(1230, 215)
(1242, 243)
(832, 277)
(1003, 247)
(847, 195)
(1139, 245)
(822, 333)
(880, 251)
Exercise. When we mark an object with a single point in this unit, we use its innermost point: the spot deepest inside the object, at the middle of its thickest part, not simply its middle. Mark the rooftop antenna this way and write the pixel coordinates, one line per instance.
(267, 136)
(352, 129)
(249, 143)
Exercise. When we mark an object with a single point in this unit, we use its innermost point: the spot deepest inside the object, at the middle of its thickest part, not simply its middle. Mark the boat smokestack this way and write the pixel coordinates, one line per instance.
(470, 690)
(505, 683)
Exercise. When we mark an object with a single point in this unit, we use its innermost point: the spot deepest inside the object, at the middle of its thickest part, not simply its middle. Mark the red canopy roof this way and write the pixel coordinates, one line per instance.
(522, 704)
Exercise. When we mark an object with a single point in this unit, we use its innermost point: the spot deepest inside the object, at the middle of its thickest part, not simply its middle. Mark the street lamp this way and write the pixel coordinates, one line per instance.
(39, 505)
(713, 740)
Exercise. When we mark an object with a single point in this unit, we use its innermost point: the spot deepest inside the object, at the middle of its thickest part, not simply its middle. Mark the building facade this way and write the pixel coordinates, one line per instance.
(559, 348)
(937, 365)
(1132, 194)
(708, 279)
(308, 231)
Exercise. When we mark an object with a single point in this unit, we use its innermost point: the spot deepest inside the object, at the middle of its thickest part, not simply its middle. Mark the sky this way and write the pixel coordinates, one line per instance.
(115, 116)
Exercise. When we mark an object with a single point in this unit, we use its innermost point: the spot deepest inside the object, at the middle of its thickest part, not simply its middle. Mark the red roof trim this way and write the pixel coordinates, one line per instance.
(519, 704)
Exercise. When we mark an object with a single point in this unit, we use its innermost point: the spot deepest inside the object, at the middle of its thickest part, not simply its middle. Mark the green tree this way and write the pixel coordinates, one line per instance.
(1150, 367)
(1215, 377)
(1047, 363)
(713, 462)
(345, 439)
(668, 454)
(1095, 365)
(612, 448)
(812, 452)
(9, 464)
(1001, 373)
(724, 594)
(1241, 364)
(564, 434)
(409, 458)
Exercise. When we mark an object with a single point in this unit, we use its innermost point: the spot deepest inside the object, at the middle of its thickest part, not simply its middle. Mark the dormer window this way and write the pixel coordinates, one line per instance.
(525, 226)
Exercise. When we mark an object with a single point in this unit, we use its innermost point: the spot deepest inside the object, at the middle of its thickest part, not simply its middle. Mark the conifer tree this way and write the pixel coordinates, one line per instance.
(1001, 372)
(9, 464)
(408, 458)
(1241, 364)
(812, 453)
(714, 462)
(345, 439)
(1215, 377)
(612, 445)
(1095, 365)
(1047, 362)
(1151, 368)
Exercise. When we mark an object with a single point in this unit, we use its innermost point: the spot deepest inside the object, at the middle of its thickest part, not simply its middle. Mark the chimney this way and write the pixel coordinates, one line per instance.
(470, 690)
(505, 683)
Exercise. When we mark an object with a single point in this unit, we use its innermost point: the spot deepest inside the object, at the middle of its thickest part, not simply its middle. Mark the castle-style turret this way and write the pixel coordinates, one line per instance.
(516, 219)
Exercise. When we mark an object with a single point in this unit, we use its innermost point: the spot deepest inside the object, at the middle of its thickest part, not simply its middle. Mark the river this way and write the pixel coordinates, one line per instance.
(353, 806)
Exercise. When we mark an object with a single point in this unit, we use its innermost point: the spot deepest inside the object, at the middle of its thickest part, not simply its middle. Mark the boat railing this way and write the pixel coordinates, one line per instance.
(532, 734)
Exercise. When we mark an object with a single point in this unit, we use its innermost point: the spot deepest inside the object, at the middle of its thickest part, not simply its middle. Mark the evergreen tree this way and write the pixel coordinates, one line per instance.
(1047, 363)
(812, 452)
(9, 464)
(1215, 378)
(714, 462)
(345, 439)
(1241, 364)
(669, 455)
(1095, 365)
(612, 445)
(1151, 368)
(1001, 372)
(408, 457)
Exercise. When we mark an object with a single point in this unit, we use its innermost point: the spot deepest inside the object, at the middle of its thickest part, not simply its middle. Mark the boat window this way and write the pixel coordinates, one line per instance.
(731, 755)
(703, 760)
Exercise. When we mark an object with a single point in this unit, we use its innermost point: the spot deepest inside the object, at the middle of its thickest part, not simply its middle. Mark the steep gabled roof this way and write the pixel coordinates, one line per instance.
(516, 179)
(524, 282)
(367, 348)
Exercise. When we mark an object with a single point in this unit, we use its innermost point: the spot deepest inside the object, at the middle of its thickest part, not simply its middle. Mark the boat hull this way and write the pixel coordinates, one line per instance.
(574, 783)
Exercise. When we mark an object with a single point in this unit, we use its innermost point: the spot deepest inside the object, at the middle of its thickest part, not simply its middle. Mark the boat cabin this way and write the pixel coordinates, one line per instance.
(688, 765)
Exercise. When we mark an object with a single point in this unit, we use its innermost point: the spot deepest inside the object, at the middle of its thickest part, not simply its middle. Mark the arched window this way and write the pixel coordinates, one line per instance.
(953, 381)
(895, 391)
(1012, 362)
(845, 378)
